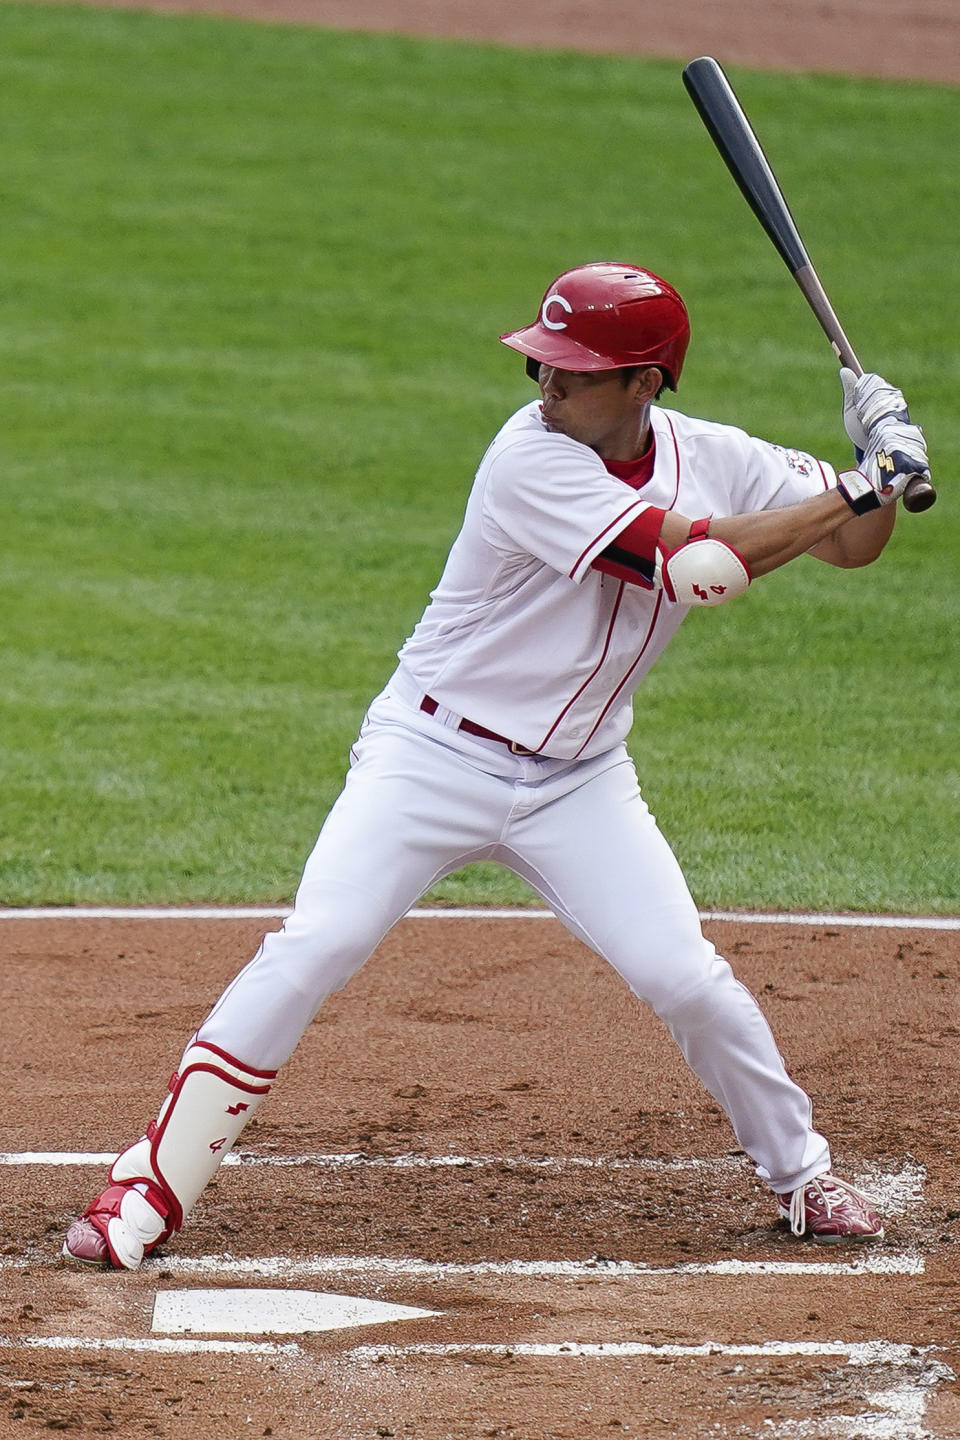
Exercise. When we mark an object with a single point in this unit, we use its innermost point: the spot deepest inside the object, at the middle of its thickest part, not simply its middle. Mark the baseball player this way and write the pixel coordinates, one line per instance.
(596, 521)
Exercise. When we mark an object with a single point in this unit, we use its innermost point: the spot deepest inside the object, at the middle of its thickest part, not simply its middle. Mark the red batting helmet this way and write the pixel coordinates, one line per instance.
(607, 316)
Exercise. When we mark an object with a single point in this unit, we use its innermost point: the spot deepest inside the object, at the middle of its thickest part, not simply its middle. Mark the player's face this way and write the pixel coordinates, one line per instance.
(598, 409)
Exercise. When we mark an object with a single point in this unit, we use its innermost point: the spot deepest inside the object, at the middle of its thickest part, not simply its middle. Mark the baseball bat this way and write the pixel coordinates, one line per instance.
(734, 136)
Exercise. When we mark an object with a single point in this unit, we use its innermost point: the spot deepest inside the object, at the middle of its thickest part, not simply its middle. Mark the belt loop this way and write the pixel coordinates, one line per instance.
(448, 718)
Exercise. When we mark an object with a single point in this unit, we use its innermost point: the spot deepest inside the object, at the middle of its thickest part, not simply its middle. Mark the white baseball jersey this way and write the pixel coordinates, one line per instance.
(522, 635)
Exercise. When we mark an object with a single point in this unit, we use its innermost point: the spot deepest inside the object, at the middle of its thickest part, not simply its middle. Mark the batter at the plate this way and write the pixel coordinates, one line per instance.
(596, 520)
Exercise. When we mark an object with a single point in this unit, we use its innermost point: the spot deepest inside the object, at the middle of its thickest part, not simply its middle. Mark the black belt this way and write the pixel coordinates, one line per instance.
(471, 728)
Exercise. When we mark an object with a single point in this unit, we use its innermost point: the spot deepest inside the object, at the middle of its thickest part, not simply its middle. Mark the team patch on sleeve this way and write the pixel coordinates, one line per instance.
(632, 555)
(796, 460)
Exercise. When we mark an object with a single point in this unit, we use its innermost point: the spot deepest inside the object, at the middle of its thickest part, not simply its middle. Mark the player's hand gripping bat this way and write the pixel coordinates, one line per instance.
(733, 135)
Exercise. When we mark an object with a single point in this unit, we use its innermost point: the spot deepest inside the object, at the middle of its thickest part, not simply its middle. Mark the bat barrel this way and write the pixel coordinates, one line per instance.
(734, 137)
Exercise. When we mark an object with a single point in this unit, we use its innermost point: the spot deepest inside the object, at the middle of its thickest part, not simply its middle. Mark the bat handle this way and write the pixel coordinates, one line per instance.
(919, 494)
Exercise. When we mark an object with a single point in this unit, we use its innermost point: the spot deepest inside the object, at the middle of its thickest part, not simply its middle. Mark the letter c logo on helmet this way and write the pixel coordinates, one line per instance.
(545, 318)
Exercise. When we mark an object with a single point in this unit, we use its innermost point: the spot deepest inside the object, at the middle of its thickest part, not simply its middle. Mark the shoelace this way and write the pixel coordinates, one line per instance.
(841, 1190)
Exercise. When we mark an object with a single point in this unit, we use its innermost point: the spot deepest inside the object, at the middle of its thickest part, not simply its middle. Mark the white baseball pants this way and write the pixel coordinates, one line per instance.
(422, 799)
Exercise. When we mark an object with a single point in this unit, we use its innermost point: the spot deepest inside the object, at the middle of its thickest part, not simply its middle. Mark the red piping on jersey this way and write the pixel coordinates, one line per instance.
(823, 473)
(676, 461)
(606, 646)
(656, 612)
(646, 641)
(633, 504)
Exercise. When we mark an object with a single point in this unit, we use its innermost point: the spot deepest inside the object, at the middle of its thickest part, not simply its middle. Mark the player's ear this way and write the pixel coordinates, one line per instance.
(647, 384)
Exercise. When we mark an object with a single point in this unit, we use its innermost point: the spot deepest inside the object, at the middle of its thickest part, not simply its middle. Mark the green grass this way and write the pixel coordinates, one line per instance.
(251, 282)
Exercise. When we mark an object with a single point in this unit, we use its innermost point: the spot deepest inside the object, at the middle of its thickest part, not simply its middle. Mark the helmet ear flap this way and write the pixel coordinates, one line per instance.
(533, 368)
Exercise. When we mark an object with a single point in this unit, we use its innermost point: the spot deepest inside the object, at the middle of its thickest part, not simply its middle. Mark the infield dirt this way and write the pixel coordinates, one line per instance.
(572, 1132)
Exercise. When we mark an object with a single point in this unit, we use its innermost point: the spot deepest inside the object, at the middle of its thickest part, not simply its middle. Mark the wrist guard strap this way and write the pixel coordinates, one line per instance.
(859, 494)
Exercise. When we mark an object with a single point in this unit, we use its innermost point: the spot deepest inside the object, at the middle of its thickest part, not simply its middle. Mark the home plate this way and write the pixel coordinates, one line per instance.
(269, 1312)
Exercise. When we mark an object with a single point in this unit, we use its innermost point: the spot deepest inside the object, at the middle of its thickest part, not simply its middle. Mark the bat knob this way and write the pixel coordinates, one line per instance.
(919, 495)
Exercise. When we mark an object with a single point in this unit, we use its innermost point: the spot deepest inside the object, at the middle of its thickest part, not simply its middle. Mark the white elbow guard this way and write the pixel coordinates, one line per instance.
(703, 571)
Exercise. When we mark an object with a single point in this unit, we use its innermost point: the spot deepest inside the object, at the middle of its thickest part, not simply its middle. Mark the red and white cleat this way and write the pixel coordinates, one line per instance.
(830, 1211)
(85, 1243)
(119, 1228)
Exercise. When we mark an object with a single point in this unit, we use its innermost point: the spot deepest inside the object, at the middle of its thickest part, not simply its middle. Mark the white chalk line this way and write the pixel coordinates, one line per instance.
(408, 1267)
(360, 1159)
(156, 1345)
(859, 1352)
(280, 912)
(900, 1190)
(291, 1267)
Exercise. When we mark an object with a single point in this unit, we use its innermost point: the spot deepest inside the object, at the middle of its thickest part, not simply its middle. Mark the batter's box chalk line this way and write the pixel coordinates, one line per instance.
(408, 1267)
(153, 1345)
(290, 1267)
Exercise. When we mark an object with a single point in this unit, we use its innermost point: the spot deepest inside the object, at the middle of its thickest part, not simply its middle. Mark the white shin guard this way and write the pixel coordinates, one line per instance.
(212, 1096)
